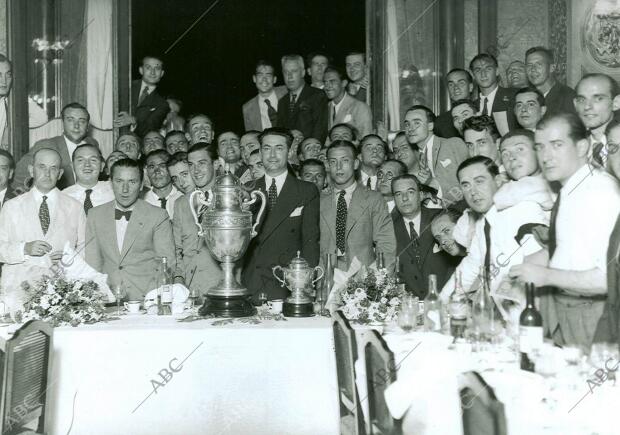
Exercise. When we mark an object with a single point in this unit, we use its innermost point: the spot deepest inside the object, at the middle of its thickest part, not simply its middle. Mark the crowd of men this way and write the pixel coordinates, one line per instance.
(520, 182)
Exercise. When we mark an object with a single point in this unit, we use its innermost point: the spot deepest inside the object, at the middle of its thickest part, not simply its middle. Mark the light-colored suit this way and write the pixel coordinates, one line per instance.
(352, 112)
(147, 239)
(195, 264)
(251, 110)
(448, 154)
(369, 228)
(19, 224)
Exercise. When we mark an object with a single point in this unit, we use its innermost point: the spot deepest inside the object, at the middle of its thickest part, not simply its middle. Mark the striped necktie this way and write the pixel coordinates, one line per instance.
(88, 204)
(44, 215)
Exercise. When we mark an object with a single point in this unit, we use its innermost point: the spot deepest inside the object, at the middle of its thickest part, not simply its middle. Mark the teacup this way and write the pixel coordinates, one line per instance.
(132, 307)
(275, 306)
(178, 308)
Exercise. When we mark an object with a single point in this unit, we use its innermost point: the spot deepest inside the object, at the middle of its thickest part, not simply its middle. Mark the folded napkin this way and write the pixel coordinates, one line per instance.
(180, 293)
(75, 267)
(340, 281)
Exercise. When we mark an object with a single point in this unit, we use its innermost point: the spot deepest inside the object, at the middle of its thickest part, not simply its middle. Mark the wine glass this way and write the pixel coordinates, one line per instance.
(262, 298)
(119, 292)
(408, 313)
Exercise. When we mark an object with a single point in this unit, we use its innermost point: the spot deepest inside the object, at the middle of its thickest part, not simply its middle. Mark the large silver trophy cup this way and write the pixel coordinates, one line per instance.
(226, 225)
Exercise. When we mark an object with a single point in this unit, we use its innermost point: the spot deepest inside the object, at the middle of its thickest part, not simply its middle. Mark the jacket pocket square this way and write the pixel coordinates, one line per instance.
(347, 118)
(297, 211)
(152, 109)
(445, 163)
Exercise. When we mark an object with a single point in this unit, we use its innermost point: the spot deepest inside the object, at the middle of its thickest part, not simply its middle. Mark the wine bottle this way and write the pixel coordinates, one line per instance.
(485, 322)
(458, 309)
(164, 291)
(432, 307)
(530, 330)
(380, 261)
(400, 284)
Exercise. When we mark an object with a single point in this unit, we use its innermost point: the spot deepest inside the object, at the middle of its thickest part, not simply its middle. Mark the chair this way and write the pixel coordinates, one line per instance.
(483, 414)
(380, 373)
(25, 367)
(351, 417)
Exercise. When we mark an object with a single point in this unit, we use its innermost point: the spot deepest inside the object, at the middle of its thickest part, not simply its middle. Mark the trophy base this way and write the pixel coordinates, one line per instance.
(297, 310)
(227, 306)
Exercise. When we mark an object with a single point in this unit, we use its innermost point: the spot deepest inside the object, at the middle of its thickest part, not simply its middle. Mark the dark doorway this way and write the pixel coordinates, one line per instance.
(210, 69)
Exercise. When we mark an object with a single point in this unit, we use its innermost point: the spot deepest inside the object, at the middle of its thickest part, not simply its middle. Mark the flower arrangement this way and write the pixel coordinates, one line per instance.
(63, 302)
(370, 297)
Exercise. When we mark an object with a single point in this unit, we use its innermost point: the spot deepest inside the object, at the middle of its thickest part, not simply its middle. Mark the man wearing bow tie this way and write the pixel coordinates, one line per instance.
(127, 237)
(35, 226)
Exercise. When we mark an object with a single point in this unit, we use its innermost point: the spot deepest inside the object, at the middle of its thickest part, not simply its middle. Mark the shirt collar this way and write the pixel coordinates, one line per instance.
(279, 179)
(491, 95)
(347, 191)
(68, 141)
(172, 193)
(39, 196)
(144, 85)
(116, 205)
(298, 91)
(581, 174)
(337, 106)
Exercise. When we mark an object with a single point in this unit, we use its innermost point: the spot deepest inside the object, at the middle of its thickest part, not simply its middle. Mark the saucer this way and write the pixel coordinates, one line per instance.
(135, 314)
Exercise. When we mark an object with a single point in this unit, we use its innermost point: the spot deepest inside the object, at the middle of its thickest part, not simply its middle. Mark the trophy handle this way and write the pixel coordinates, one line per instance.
(281, 280)
(201, 201)
(255, 195)
(320, 269)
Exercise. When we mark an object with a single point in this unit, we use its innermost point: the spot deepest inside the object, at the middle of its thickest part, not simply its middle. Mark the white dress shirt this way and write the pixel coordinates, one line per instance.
(417, 222)
(2, 195)
(144, 85)
(264, 113)
(4, 116)
(121, 229)
(490, 99)
(101, 193)
(373, 180)
(589, 206)
(334, 108)
(348, 194)
(152, 198)
(280, 179)
(505, 250)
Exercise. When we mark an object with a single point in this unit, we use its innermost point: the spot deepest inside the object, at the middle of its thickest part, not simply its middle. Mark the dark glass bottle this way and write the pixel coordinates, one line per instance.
(530, 329)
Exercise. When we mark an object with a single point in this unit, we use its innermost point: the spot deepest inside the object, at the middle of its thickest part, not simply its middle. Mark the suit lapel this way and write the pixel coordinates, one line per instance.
(401, 234)
(426, 236)
(136, 224)
(108, 228)
(286, 202)
(328, 214)
(255, 112)
(436, 147)
(344, 108)
(358, 206)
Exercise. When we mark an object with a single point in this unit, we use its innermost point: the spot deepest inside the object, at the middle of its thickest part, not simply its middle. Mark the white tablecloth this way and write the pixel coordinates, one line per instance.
(276, 377)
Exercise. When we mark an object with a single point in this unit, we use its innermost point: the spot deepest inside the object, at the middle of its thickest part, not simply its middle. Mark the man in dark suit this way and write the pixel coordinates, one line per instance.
(127, 236)
(148, 107)
(493, 100)
(414, 239)
(75, 119)
(261, 112)
(303, 108)
(460, 87)
(290, 223)
(540, 68)
(357, 71)
(7, 167)
(608, 328)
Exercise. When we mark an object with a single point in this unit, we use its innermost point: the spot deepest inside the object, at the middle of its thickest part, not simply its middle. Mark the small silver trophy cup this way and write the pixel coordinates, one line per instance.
(298, 279)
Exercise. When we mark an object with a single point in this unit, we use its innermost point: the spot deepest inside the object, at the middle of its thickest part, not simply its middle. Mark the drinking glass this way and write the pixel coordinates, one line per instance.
(119, 292)
(408, 313)
(262, 298)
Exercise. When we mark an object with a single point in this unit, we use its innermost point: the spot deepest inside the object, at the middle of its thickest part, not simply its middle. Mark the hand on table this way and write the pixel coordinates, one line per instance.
(37, 248)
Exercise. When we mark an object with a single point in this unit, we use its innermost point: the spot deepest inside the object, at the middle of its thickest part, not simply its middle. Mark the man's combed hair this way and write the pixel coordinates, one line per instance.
(539, 96)
(482, 56)
(293, 58)
(462, 101)
(430, 115)
(159, 152)
(173, 133)
(405, 176)
(9, 157)
(277, 131)
(152, 56)
(314, 54)
(342, 144)
(127, 163)
(481, 123)
(74, 105)
(522, 132)
(211, 149)
(338, 72)
(3, 58)
(613, 84)
(451, 213)
(178, 157)
(470, 79)
(576, 128)
(264, 63)
(87, 145)
(542, 50)
(490, 165)
(310, 162)
(196, 115)
(352, 129)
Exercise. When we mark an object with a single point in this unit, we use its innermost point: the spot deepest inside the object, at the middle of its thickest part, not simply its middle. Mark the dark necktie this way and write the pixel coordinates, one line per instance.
(291, 104)
(118, 214)
(271, 113)
(163, 202)
(143, 95)
(341, 221)
(485, 108)
(44, 215)
(552, 226)
(598, 154)
(368, 184)
(272, 195)
(415, 241)
(487, 254)
(88, 204)
(333, 114)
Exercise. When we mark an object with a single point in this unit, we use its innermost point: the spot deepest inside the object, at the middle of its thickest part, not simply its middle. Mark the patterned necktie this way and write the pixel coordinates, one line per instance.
(163, 202)
(341, 221)
(599, 154)
(485, 108)
(291, 104)
(44, 215)
(272, 195)
(87, 201)
(143, 95)
(487, 254)
(552, 226)
(271, 113)
(415, 241)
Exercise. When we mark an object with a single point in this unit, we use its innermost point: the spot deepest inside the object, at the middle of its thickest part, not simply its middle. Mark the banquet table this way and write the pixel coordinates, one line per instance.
(153, 375)
(429, 374)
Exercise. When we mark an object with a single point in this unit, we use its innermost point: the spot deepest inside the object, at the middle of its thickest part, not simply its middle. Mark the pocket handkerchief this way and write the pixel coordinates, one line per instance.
(445, 163)
(347, 118)
(297, 211)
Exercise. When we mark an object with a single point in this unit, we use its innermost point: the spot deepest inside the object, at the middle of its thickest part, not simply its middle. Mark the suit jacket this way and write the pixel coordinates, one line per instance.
(560, 99)
(292, 225)
(251, 110)
(369, 228)
(444, 127)
(19, 223)
(503, 102)
(361, 95)
(148, 238)
(309, 113)
(57, 143)
(439, 263)
(195, 264)
(151, 112)
(352, 112)
(9, 194)
(448, 154)
(608, 328)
